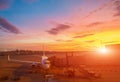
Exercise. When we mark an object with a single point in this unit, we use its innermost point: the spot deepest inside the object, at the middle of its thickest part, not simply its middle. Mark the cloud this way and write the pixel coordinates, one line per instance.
(110, 4)
(82, 36)
(111, 42)
(117, 8)
(98, 9)
(90, 41)
(94, 24)
(105, 6)
(8, 27)
(5, 4)
(58, 29)
(60, 40)
(68, 40)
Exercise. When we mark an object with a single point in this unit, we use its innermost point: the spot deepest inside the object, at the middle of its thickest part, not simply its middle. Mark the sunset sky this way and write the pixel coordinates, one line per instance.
(62, 25)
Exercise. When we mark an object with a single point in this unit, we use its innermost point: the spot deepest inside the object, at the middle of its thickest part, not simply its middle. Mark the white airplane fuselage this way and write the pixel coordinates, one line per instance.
(45, 63)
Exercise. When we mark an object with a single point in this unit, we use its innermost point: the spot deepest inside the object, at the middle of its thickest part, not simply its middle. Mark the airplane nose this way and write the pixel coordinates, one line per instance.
(47, 66)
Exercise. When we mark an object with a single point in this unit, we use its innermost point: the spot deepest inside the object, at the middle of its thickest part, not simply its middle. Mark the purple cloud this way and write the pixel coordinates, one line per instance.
(8, 27)
(117, 8)
(5, 4)
(58, 29)
(82, 36)
(98, 9)
(94, 24)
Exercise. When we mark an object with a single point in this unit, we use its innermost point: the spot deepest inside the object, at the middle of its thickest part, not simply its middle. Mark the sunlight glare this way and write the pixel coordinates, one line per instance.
(103, 50)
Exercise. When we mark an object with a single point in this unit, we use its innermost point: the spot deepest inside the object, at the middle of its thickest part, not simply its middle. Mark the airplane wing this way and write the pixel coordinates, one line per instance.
(14, 60)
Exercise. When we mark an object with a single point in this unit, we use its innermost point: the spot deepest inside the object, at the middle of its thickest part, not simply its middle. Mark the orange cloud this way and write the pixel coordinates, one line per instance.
(82, 36)
(90, 41)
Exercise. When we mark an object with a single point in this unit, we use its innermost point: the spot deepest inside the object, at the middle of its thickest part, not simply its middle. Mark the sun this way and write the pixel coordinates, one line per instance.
(103, 50)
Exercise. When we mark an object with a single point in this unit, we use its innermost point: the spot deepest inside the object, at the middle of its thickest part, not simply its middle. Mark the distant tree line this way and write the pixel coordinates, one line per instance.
(22, 52)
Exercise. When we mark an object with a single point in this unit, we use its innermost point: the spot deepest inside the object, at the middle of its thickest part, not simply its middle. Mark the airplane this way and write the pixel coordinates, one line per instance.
(45, 63)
